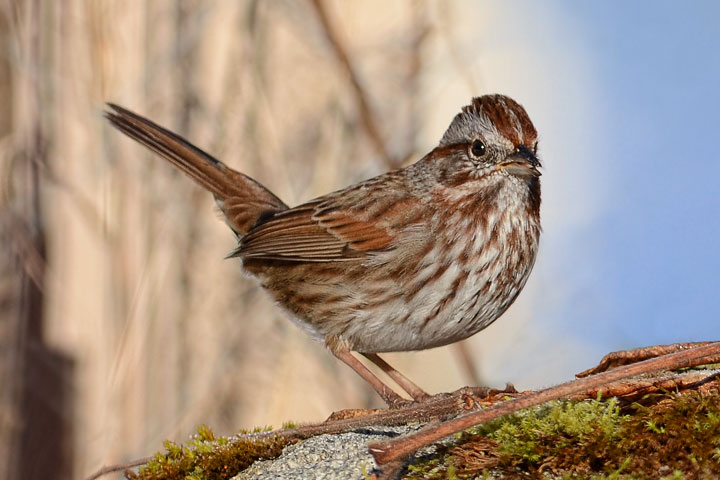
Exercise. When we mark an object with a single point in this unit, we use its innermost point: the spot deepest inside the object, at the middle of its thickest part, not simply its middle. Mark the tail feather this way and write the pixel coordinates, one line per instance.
(242, 199)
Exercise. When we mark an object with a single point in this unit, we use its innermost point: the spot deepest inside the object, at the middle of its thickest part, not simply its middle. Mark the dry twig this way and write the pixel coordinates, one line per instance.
(626, 357)
(361, 96)
(119, 467)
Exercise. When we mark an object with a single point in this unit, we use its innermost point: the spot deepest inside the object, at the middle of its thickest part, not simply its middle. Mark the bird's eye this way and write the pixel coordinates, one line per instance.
(477, 148)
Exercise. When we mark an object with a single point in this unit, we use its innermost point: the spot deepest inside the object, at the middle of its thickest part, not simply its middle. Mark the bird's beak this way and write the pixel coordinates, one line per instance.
(522, 163)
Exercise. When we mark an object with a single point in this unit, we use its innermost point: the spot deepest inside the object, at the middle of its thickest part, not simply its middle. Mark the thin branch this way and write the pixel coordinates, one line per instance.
(119, 467)
(626, 357)
(632, 389)
(437, 407)
(395, 450)
(361, 96)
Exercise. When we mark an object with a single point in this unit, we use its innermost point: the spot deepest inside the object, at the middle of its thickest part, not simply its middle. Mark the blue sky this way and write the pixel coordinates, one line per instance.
(658, 66)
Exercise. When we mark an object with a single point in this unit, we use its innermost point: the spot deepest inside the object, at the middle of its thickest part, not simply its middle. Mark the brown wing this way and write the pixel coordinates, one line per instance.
(324, 230)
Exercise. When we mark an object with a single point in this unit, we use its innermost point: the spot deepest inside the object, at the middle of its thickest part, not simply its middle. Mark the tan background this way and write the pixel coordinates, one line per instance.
(120, 317)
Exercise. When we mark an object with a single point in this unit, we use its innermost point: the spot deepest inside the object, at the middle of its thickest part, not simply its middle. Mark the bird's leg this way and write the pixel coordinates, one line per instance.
(391, 398)
(417, 393)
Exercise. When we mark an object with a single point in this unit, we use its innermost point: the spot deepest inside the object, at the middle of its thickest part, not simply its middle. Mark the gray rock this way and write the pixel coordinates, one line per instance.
(328, 457)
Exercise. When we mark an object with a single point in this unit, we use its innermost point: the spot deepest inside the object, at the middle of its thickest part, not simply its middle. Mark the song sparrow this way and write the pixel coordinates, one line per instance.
(418, 257)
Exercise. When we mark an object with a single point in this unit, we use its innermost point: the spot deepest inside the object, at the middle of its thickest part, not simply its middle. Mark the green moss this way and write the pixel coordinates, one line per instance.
(206, 456)
(535, 434)
(668, 435)
(431, 469)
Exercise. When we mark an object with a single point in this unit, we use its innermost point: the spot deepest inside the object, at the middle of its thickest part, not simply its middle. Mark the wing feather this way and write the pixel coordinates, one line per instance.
(323, 231)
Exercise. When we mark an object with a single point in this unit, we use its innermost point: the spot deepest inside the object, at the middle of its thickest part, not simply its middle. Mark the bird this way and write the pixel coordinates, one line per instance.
(419, 257)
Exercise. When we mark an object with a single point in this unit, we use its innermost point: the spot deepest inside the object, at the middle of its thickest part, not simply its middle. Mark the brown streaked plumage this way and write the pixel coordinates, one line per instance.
(416, 258)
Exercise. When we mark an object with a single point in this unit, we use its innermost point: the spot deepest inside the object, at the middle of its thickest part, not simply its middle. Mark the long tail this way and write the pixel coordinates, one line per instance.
(242, 199)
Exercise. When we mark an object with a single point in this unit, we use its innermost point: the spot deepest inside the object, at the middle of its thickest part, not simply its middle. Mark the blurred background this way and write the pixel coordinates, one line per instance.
(120, 323)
